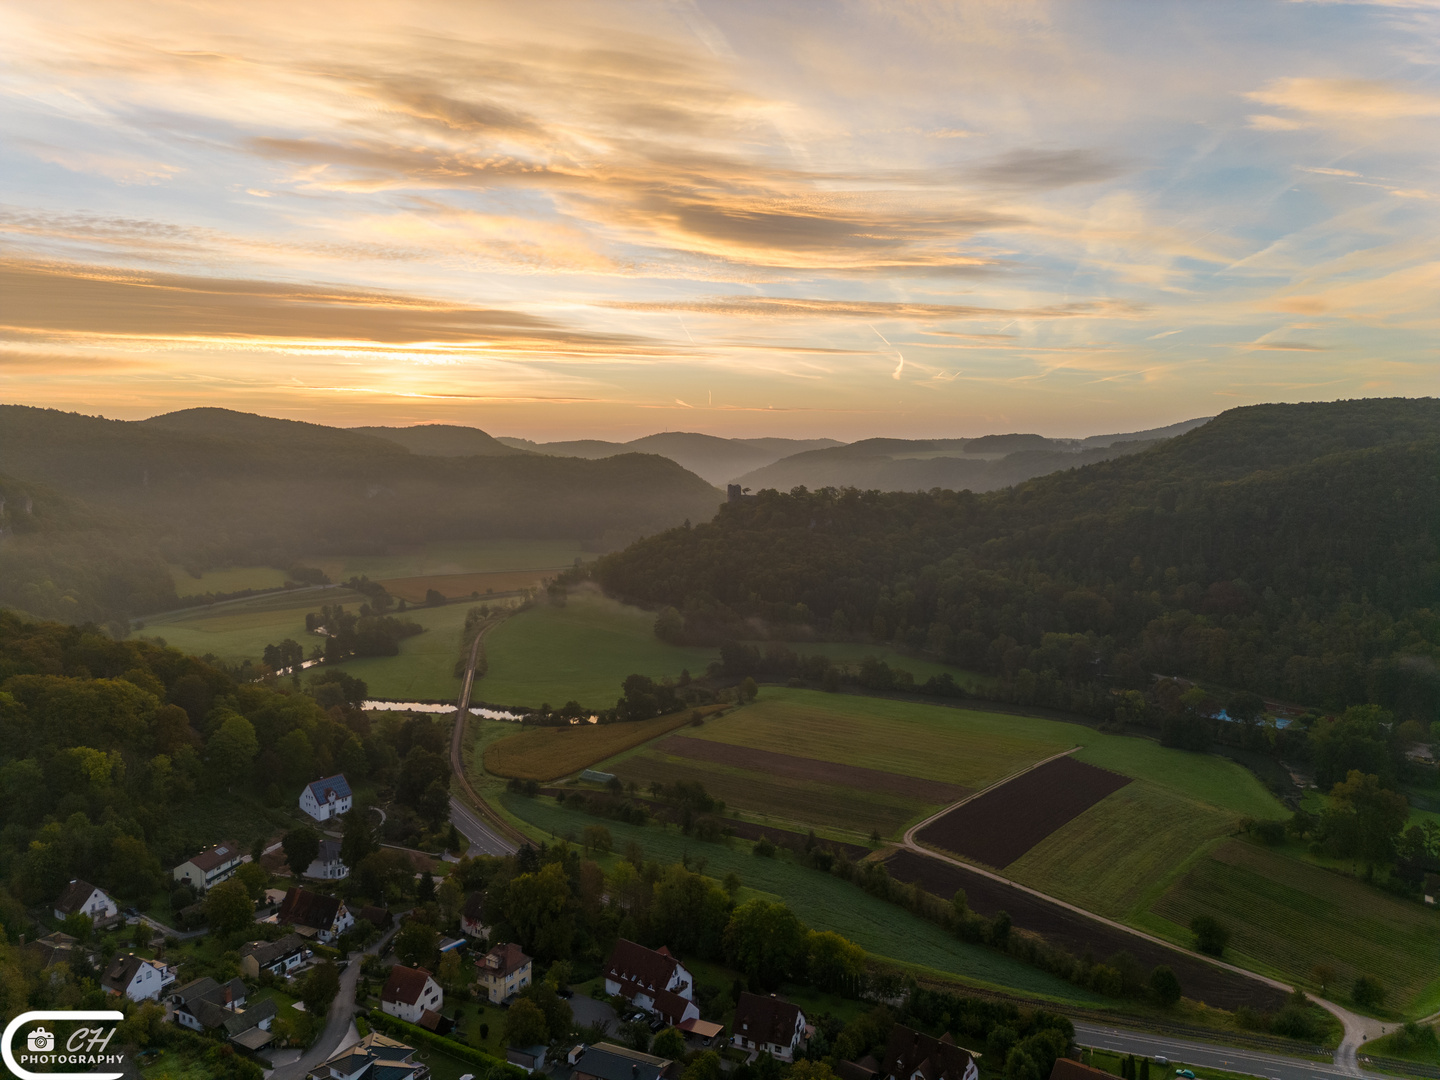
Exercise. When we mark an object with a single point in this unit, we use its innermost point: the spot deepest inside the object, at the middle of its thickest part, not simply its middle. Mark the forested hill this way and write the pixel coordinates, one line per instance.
(1286, 549)
(210, 487)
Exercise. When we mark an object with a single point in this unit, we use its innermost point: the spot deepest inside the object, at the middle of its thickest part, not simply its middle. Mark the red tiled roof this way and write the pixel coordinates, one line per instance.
(301, 907)
(766, 1019)
(910, 1051)
(649, 969)
(502, 960)
(72, 898)
(216, 855)
(405, 985)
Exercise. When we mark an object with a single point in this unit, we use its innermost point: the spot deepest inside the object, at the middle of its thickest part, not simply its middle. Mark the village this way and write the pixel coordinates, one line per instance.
(399, 1021)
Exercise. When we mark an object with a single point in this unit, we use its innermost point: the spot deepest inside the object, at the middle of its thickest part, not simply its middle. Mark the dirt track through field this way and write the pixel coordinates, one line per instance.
(1080, 935)
(1007, 821)
(791, 767)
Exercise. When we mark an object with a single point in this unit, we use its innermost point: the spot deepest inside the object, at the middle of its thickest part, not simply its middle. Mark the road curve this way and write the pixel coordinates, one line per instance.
(1358, 1029)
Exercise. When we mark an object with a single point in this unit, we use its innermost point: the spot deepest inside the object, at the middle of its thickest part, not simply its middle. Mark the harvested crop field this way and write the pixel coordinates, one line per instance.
(790, 767)
(548, 753)
(963, 747)
(1298, 915)
(1001, 825)
(789, 802)
(456, 586)
(1079, 934)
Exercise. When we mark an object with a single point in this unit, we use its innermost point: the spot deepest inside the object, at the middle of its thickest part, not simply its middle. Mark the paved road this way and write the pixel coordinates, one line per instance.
(337, 1020)
(483, 839)
(1205, 1055)
(1358, 1029)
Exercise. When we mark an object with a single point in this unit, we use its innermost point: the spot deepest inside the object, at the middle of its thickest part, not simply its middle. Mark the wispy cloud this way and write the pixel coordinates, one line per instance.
(597, 208)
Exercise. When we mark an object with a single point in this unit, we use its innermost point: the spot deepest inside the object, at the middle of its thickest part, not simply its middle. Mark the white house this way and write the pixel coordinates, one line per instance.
(472, 916)
(327, 865)
(653, 981)
(137, 978)
(768, 1024)
(83, 898)
(410, 993)
(211, 866)
(277, 957)
(327, 798)
(313, 915)
(202, 1004)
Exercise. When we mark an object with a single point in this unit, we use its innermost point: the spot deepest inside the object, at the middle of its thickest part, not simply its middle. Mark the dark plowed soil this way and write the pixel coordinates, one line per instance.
(1079, 934)
(1004, 823)
(790, 767)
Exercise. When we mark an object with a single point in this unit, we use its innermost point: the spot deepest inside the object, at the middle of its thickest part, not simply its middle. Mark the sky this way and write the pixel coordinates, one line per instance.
(845, 219)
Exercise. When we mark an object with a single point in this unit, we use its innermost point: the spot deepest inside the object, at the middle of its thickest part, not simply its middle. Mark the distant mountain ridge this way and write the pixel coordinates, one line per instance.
(717, 459)
(444, 440)
(986, 463)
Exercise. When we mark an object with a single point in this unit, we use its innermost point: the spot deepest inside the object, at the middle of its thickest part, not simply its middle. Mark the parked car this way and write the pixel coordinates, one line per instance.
(1186, 1073)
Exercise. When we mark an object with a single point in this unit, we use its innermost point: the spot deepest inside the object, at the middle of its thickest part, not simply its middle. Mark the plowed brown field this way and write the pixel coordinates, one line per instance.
(1007, 821)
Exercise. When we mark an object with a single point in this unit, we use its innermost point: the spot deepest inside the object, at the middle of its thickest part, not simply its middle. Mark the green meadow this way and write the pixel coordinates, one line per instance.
(580, 652)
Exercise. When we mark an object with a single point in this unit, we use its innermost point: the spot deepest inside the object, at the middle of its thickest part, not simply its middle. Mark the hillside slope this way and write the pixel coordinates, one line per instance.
(213, 487)
(1289, 549)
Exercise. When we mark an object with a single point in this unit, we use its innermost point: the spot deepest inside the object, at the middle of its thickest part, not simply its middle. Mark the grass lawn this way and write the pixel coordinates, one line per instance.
(231, 579)
(549, 753)
(1286, 916)
(1206, 778)
(788, 803)
(470, 557)
(1398, 1045)
(823, 902)
(425, 667)
(972, 749)
(236, 631)
(1117, 856)
(580, 652)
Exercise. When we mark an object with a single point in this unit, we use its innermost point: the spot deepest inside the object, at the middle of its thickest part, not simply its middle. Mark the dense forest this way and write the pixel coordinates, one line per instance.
(120, 759)
(1284, 550)
(92, 509)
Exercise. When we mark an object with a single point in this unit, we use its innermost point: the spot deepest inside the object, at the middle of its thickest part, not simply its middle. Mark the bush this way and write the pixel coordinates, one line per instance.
(1165, 986)
(1368, 993)
(1211, 936)
(764, 848)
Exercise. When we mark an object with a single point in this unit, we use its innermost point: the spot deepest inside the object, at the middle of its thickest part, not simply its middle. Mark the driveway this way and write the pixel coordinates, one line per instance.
(338, 1020)
(589, 1011)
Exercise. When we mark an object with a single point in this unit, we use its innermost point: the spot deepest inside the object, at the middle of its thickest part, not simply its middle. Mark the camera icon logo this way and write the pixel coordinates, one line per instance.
(40, 1041)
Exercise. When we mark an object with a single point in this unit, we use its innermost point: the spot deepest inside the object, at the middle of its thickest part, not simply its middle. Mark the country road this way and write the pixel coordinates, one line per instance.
(1358, 1029)
(475, 820)
(1229, 1058)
